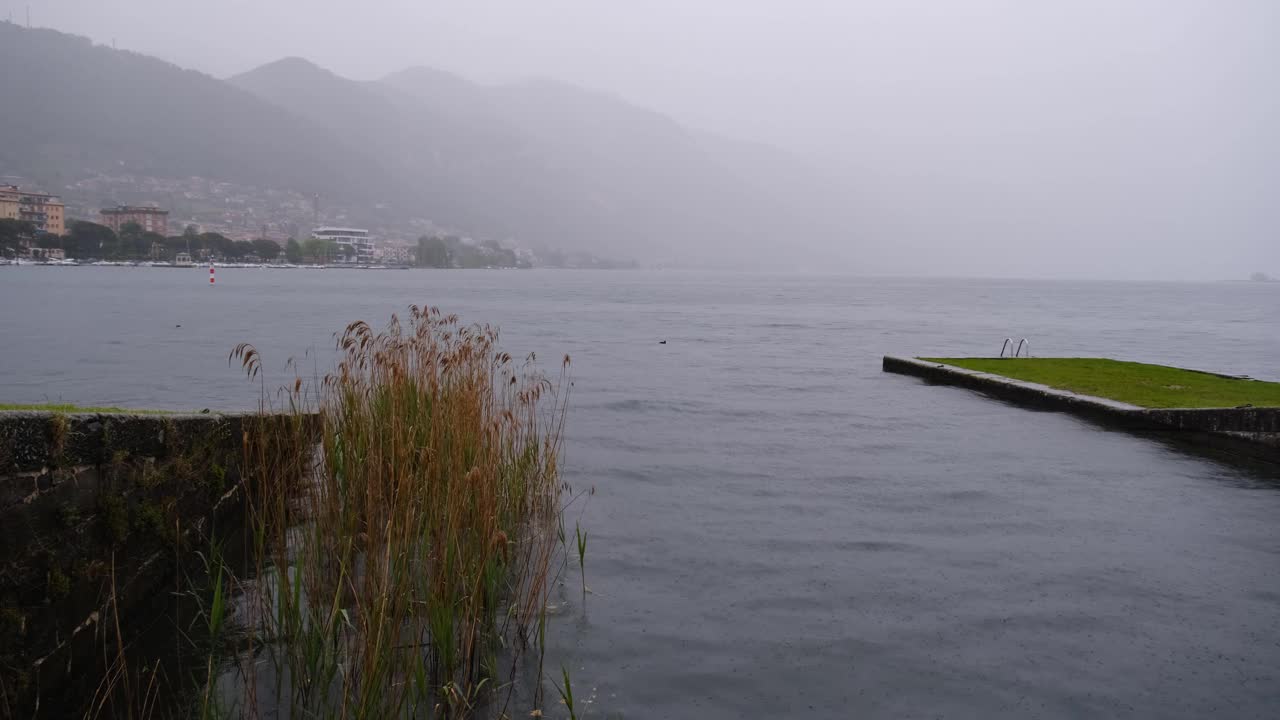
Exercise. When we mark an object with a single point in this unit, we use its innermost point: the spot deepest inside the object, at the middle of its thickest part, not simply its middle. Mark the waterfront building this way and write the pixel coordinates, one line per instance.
(354, 244)
(395, 254)
(48, 254)
(150, 219)
(43, 210)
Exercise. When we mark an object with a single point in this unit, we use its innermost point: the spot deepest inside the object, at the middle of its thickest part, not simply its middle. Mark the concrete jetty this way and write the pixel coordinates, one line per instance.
(1253, 431)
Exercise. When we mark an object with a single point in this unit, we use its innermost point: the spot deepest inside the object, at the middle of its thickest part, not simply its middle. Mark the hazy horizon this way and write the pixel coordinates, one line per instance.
(993, 138)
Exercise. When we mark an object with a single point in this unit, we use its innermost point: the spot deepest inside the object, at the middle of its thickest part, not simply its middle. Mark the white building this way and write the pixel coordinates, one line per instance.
(354, 244)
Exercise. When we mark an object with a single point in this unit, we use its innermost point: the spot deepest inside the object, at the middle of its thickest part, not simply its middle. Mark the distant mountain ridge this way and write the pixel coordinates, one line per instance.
(541, 162)
(71, 105)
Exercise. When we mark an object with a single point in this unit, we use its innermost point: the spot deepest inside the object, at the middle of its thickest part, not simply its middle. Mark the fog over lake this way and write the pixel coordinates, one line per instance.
(987, 137)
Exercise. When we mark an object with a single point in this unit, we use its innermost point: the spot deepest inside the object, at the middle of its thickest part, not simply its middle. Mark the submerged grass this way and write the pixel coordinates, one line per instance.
(1152, 386)
(581, 537)
(412, 551)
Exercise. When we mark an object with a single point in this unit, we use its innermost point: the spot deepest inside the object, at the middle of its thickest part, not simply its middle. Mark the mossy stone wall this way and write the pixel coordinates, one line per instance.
(94, 504)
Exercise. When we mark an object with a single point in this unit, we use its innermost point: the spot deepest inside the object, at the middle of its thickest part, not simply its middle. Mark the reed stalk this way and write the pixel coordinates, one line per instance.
(415, 541)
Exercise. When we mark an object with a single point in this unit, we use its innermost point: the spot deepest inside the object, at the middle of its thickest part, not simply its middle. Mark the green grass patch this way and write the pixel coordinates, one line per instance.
(1151, 386)
(68, 409)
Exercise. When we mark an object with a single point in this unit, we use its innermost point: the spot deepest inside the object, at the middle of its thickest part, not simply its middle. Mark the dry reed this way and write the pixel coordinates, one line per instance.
(407, 555)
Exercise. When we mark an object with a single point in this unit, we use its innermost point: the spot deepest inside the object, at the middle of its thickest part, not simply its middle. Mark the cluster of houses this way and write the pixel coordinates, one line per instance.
(47, 214)
(344, 245)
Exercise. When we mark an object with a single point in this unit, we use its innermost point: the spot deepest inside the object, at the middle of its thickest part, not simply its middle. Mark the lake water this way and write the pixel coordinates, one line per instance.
(779, 528)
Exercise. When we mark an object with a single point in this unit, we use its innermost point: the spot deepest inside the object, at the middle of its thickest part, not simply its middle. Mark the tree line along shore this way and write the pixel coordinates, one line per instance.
(89, 241)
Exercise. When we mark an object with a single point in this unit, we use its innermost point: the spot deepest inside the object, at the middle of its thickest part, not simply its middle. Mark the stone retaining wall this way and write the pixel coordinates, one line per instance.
(96, 504)
(1265, 420)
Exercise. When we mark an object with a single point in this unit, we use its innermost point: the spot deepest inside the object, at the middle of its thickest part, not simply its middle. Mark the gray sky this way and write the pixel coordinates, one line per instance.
(1143, 134)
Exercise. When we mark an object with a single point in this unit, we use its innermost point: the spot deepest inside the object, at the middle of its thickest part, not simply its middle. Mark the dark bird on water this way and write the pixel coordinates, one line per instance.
(662, 342)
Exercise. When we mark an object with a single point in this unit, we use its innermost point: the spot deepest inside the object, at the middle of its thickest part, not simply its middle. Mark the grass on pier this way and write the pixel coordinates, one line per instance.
(69, 409)
(1150, 386)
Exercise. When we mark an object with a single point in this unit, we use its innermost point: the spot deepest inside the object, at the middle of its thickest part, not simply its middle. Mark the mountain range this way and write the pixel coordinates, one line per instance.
(539, 162)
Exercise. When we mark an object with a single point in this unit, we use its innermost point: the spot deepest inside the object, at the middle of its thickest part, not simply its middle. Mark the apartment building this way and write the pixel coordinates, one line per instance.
(43, 210)
(150, 219)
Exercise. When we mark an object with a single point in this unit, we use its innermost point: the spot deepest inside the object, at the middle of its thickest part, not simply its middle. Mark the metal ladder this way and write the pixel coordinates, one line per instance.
(1017, 350)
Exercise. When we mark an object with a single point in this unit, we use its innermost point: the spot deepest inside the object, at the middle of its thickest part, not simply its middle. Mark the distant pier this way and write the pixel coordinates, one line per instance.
(1251, 431)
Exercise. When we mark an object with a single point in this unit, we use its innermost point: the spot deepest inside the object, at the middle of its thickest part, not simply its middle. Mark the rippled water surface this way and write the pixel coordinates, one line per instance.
(779, 528)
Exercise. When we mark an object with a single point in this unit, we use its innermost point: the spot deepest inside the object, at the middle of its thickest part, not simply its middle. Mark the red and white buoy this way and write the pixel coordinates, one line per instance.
(210, 273)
